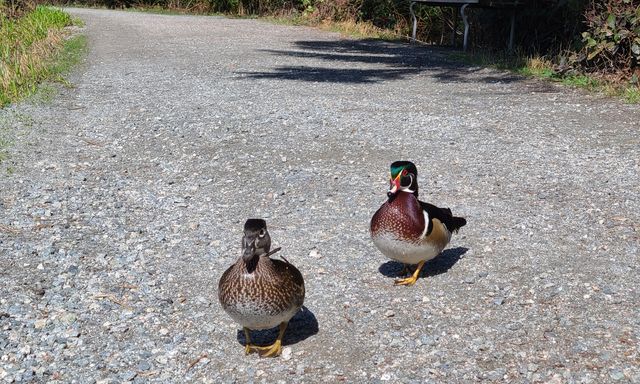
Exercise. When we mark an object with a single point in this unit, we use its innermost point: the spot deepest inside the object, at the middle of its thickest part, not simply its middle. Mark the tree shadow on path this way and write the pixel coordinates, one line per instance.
(372, 61)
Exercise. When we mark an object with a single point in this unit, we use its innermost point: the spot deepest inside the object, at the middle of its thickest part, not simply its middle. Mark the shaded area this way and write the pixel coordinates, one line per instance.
(332, 75)
(351, 61)
(301, 326)
(440, 264)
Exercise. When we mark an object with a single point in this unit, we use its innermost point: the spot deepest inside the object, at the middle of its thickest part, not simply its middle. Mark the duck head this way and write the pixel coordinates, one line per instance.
(256, 240)
(403, 178)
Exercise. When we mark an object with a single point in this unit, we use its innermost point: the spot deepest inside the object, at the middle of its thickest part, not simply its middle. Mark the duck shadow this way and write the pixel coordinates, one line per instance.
(440, 264)
(301, 326)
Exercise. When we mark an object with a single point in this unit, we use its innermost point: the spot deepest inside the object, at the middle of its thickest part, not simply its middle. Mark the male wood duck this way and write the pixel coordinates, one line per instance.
(259, 292)
(408, 230)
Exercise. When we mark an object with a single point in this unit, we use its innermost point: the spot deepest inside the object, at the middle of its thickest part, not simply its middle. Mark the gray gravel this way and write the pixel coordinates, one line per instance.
(123, 200)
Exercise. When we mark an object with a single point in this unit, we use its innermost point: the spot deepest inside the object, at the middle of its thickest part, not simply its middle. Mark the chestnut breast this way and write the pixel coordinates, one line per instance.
(401, 217)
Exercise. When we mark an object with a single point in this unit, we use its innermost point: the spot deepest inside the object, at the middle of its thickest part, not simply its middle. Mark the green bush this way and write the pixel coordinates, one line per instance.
(611, 42)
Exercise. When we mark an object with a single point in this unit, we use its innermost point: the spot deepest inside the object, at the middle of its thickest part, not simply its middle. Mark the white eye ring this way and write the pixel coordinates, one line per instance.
(262, 233)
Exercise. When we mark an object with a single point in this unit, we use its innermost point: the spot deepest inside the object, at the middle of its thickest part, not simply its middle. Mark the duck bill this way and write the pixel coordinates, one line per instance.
(249, 252)
(394, 186)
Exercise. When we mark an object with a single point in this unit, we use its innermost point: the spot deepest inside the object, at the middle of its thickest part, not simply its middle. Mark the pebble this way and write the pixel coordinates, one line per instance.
(469, 279)
(40, 323)
(143, 366)
(429, 341)
(496, 375)
(616, 374)
(315, 254)
(128, 375)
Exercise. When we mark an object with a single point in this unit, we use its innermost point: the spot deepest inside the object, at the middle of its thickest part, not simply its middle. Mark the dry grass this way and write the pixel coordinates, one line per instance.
(29, 61)
(360, 29)
(28, 46)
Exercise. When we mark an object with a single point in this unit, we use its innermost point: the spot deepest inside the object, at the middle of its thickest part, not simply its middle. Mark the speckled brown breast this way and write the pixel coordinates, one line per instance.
(401, 218)
(270, 294)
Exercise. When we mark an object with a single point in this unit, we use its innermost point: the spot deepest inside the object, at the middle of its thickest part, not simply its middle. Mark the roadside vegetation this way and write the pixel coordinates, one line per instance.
(33, 47)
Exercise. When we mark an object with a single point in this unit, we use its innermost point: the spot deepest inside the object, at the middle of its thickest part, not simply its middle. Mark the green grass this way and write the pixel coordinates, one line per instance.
(28, 47)
(50, 68)
(72, 53)
(632, 94)
(543, 68)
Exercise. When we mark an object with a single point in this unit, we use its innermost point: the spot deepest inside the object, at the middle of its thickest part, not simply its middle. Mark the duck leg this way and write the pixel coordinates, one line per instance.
(248, 347)
(274, 349)
(412, 279)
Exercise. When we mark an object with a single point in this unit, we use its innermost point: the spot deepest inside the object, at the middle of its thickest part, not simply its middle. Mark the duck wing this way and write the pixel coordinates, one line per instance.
(453, 223)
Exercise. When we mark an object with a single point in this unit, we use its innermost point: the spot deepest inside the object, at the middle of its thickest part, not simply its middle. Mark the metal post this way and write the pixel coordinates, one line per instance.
(415, 22)
(466, 26)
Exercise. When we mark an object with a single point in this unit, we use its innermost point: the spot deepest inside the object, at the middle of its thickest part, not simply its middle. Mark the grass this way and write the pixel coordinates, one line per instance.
(361, 30)
(72, 53)
(34, 49)
(632, 95)
(29, 49)
(358, 29)
(543, 68)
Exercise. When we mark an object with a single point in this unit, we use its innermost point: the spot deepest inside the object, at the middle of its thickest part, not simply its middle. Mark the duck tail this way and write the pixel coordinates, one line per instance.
(457, 223)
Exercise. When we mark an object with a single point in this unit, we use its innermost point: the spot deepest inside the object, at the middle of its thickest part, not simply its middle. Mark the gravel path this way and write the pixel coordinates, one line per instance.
(123, 201)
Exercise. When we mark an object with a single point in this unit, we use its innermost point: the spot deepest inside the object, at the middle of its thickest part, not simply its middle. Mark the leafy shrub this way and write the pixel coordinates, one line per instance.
(611, 42)
(12, 9)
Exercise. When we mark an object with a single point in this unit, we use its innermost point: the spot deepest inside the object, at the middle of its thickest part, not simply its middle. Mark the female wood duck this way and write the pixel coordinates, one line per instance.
(408, 230)
(258, 292)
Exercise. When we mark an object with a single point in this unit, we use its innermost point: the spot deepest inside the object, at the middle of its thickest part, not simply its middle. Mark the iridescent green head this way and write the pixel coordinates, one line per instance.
(403, 177)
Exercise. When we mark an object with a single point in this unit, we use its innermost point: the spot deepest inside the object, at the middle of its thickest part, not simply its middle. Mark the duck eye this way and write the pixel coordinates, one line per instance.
(404, 172)
(405, 181)
(262, 233)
